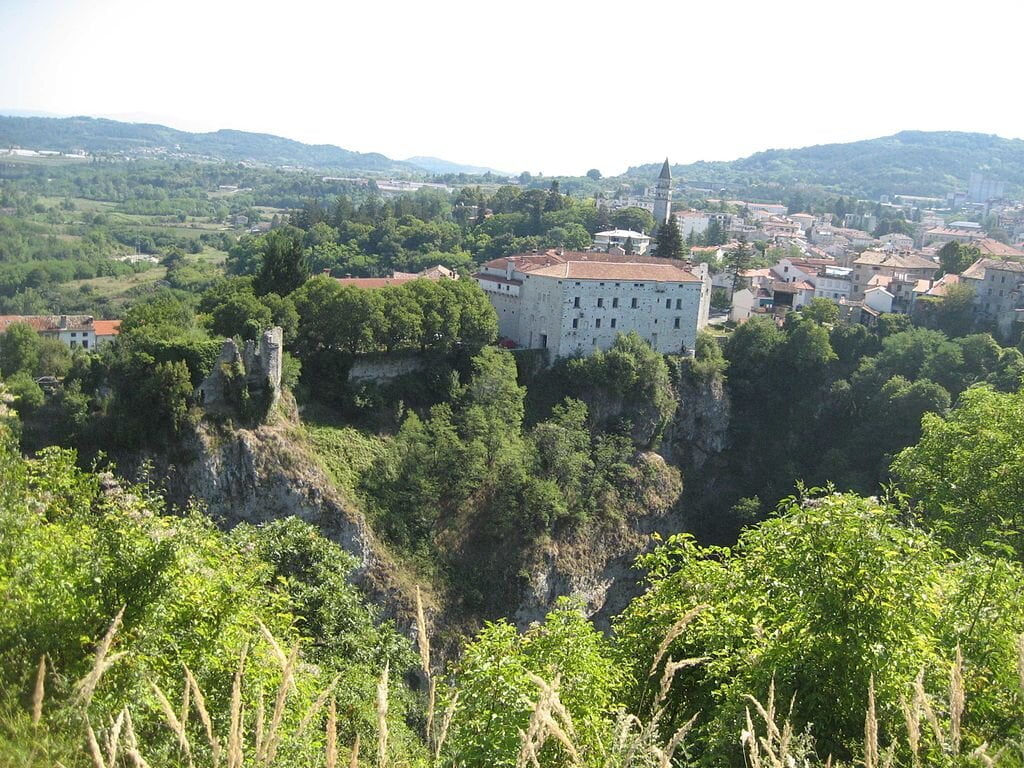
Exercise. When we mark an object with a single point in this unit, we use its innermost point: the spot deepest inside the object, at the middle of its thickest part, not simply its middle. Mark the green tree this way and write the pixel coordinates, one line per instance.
(241, 315)
(821, 311)
(966, 470)
(955, 257)
(284, 266)
(830, 593)
(670, 242)
(636, 219)
(496, 695)
(19, 349)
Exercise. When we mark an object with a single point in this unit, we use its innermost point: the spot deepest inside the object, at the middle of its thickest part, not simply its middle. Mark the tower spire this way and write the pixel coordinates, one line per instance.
(663, 196)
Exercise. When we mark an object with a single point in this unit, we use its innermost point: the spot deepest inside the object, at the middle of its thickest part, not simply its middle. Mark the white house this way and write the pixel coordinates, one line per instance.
(74, 331)
(878, 299)
(626, 239)
(574, 303)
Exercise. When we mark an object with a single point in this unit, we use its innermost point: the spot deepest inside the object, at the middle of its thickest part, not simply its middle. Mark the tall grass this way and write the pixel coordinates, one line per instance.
(931, 733)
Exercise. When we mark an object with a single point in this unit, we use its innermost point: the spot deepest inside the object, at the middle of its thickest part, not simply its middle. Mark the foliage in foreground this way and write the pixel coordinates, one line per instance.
(76, 551)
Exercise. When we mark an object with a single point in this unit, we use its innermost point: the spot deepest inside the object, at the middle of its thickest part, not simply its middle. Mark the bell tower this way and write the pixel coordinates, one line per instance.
(663, 196)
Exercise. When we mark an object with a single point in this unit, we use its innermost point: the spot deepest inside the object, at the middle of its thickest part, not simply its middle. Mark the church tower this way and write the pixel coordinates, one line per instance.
(663, 196)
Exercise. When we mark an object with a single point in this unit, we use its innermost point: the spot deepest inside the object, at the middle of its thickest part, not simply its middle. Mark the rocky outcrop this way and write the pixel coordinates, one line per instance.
(594, 563)
(261, 474)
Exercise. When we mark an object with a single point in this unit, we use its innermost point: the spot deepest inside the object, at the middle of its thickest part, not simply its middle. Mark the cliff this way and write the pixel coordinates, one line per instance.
(254, 475)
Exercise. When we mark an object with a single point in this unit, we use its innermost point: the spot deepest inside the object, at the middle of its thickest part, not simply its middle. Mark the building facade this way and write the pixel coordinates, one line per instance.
(576, 303)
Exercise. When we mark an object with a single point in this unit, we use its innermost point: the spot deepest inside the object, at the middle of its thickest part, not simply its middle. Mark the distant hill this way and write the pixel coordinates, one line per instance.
(97, 135)
(929, 163)
(437, 165)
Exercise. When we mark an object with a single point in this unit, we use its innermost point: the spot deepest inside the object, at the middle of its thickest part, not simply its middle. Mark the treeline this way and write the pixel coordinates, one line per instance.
(428, 227)
(817, 401)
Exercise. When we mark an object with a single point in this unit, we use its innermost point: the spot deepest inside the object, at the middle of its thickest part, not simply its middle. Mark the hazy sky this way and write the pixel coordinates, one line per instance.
(553, 86)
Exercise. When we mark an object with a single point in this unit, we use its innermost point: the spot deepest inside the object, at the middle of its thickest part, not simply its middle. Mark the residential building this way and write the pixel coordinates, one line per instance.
(692, 222)
(74, 331)
(981, 189)
(998, 294)
(896, 272)
(626, 239)
(573, 303)
(943, 235)
(437, 272)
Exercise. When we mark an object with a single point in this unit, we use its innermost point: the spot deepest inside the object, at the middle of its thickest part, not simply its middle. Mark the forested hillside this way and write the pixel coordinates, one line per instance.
(929, 163)
(102, 136)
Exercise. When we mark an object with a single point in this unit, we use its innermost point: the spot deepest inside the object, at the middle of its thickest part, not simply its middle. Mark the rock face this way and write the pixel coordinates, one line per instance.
(265, 473)
(700, 427)
(595, 564)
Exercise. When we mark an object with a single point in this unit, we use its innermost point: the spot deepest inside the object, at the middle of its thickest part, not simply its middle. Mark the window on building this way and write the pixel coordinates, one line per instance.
(632, 303)
(668, 303)
(613, 322)
(600, 302)
(85, 344)
(597, 323)
(575, 322)
(676, 323)
(576, 302)
(679, 303)
(615, 302)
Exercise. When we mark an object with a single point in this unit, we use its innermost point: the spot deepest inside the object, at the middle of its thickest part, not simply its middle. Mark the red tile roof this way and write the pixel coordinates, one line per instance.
(107, 327)
(375, 282)
(591, 265)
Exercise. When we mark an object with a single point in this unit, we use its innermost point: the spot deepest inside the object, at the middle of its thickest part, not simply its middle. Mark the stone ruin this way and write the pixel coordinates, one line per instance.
(255, 371)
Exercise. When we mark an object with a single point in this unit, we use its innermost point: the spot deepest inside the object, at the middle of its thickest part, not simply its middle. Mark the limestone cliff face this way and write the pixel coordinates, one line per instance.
(257, 475)
(699, 430)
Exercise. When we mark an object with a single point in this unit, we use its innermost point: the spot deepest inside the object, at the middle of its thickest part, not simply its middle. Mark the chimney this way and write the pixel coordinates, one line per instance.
(509, 267)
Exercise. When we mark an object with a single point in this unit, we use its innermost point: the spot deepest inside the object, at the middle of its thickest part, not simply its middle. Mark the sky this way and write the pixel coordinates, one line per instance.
(549, 86)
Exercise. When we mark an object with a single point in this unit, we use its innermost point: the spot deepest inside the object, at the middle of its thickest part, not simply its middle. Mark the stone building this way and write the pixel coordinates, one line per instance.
(574, 303)
(255, 371)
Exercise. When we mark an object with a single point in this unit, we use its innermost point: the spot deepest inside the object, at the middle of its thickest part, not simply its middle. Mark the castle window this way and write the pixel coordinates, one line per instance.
(676, 323)
(575, 322)
(597, 323)
(576, 302)
(632, 303)
(668, 303)
(600, 302)
(613, 322)
(615, 303)
(679, 303)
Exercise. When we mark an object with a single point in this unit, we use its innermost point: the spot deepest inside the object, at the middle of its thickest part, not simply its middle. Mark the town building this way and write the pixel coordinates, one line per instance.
(74, 331)
(897, 272)
(437, 272)
(997, 288)
(626, 239)
(574, 303)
